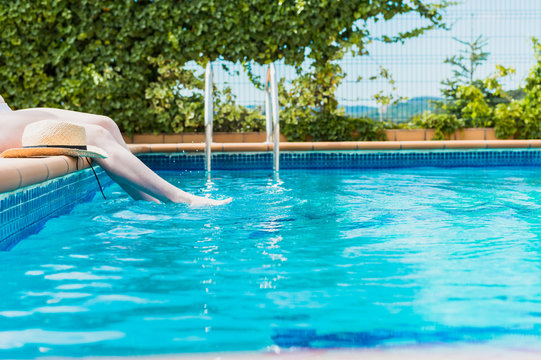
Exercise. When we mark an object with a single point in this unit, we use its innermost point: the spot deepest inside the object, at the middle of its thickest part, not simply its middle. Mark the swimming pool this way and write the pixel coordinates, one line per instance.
(312, 259)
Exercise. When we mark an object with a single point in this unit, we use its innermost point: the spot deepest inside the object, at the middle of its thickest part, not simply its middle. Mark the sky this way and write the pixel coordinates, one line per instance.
(418, 66)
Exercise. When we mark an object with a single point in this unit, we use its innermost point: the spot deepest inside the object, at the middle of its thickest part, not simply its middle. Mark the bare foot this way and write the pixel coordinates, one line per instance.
(199, 201)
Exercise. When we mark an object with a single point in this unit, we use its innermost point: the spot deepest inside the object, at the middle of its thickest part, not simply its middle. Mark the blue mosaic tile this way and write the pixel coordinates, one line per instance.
(347, 159)
(220, 161)
(24, 211)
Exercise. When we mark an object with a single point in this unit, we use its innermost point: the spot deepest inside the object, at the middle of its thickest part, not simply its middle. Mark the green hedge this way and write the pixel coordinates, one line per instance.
(126, 59)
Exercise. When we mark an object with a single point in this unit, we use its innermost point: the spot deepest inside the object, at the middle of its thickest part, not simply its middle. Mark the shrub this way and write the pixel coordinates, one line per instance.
(508, 119)
(230, 117)
(522, 119)
(444, 124)
(125, 59)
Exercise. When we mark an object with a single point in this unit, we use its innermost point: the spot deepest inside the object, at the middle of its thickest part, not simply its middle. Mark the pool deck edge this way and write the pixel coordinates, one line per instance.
(22, 172)
(19, 173)
(337, 146)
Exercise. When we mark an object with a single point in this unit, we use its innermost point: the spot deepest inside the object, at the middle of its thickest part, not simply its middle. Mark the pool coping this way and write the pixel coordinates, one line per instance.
(22, 172)
(338, 146)
(19, 173)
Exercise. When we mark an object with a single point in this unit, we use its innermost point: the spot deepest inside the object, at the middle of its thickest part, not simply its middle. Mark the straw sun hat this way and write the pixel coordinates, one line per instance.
(53, 137)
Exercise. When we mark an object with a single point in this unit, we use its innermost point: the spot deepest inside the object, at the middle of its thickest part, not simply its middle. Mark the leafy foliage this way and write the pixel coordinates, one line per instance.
(231, 117)
(125, 58)
(444, 124)
(522, 118)
(309, 110)
(531, 128)
(474, 102)
(475, 110)
(468, 60)
(507, 118)
(467, 97)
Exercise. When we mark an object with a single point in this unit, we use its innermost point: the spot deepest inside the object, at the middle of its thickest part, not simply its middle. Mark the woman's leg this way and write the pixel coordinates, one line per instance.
(103, 121)
(127, 169)
(75, 116)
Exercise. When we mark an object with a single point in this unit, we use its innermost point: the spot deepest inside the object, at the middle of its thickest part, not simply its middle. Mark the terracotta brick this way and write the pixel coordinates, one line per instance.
(490, 134)
(227, 137)
(430, 134)
(378, 145)
(391, 135)
(410, 135)
(254, 137)
(338, 145)
(471, 134)
(193, 137)
(172, 139)
(422, 145)
(148, 139)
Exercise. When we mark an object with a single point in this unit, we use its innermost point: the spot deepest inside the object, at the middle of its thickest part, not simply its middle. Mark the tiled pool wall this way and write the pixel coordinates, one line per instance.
(346, 159)
(24, 211)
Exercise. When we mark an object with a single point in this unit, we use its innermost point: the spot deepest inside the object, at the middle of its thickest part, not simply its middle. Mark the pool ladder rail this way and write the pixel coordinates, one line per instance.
(272, 115)
(209, 115)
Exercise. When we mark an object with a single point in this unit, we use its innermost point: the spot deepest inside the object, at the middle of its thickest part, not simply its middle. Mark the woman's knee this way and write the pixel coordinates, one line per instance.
(106, 122)
(98, 134)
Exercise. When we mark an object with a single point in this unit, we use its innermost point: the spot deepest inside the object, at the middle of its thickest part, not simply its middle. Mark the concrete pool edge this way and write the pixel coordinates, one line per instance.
(338, 146)
(19, 173)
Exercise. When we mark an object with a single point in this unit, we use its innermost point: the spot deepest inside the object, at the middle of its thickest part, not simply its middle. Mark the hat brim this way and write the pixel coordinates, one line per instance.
(91, 152)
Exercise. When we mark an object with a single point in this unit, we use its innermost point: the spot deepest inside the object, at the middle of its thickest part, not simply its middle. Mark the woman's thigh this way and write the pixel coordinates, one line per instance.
(12, 124)
(79, 117)
(76, 116)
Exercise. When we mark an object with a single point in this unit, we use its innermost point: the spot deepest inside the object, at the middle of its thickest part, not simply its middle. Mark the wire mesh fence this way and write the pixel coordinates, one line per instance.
(417, 66)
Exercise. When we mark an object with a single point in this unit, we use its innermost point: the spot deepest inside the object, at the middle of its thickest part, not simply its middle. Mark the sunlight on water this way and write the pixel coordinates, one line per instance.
(311, 259)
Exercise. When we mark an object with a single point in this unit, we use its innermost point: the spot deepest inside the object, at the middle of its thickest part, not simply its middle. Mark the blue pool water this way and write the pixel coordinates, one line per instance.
(313, 259)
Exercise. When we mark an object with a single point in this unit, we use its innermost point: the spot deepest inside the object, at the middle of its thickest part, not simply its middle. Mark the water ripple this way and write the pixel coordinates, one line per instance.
(315, 259)
(19, 338)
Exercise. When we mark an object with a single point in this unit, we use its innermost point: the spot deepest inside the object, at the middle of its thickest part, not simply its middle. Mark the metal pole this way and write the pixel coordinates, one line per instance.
(275, 118)
(208, 115)
(268, 110)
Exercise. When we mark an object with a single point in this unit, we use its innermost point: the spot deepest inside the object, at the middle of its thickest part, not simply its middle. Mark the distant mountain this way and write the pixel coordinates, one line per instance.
(359, 110)
(398, 113)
